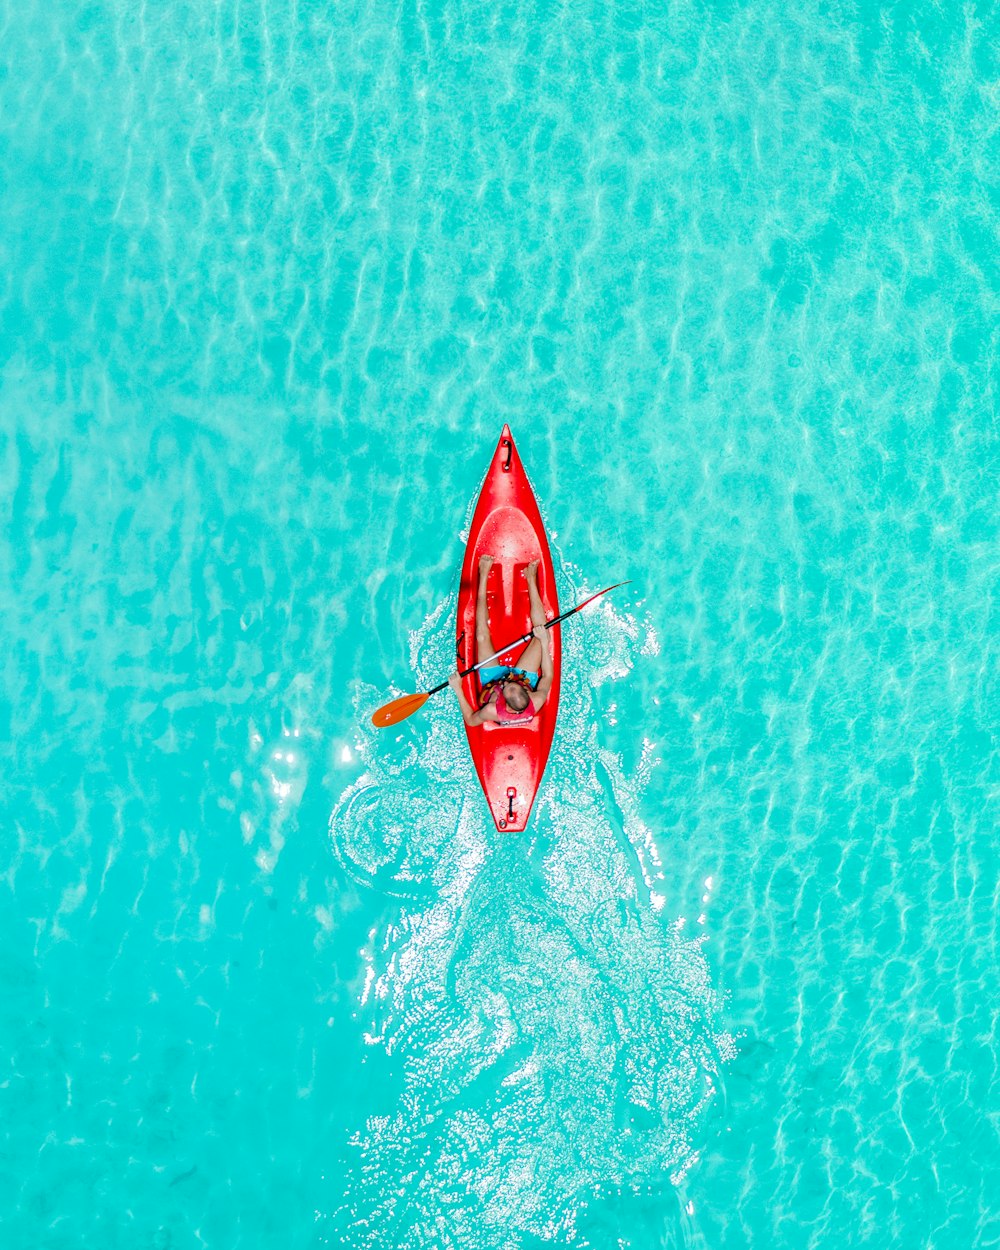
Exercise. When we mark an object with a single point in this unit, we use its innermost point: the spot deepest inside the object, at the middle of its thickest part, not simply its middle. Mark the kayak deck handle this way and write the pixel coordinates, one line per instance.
(509, 444)
(511, 818)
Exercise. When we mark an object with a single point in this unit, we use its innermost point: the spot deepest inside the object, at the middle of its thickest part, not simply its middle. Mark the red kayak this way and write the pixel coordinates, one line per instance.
(507, 525)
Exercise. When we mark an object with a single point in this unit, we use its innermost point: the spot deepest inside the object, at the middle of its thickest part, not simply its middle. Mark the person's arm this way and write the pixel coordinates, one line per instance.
(469, 713)
(541, 693)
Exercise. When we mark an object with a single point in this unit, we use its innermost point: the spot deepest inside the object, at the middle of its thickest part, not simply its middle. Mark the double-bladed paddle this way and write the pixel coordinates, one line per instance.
(399, 709)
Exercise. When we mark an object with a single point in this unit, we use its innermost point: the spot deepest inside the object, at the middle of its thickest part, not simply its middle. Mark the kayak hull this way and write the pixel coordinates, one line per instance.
(506, 524)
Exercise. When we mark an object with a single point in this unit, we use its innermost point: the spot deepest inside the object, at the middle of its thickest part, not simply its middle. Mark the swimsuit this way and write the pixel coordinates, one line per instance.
(490, 673)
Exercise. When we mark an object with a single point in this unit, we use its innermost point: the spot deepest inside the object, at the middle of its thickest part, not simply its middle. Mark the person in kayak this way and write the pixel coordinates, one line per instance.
(509, 694)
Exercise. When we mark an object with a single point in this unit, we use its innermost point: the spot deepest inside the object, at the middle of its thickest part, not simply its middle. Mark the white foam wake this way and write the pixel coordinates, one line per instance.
(558, 1033)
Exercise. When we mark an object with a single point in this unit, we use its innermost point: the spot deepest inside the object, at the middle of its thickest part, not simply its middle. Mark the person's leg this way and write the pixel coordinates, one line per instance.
(484, 643)
(531, 657)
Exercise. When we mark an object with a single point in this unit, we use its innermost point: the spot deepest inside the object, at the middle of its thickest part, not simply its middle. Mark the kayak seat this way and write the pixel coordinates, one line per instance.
(494, 727)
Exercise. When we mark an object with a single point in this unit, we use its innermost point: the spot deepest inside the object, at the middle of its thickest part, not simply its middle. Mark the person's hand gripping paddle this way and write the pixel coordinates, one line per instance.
(399, 709)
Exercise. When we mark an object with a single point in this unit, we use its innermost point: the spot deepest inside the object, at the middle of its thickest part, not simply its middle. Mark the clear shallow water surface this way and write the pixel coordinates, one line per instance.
(271, 278)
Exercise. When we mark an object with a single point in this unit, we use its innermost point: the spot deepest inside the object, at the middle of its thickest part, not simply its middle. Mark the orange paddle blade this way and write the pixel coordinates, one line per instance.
(392, 713)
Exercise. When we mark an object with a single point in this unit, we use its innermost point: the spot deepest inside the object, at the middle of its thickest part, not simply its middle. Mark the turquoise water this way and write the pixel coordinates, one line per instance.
(272, 277)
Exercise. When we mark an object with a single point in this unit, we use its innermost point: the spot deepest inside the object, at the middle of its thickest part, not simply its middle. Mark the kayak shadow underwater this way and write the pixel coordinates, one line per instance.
(560, 1039)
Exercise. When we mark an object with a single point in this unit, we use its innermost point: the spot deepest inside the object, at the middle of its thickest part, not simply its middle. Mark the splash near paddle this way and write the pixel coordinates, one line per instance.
(509, 759)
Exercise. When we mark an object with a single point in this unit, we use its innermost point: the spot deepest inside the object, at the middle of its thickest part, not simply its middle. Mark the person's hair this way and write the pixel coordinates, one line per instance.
(520, 699)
